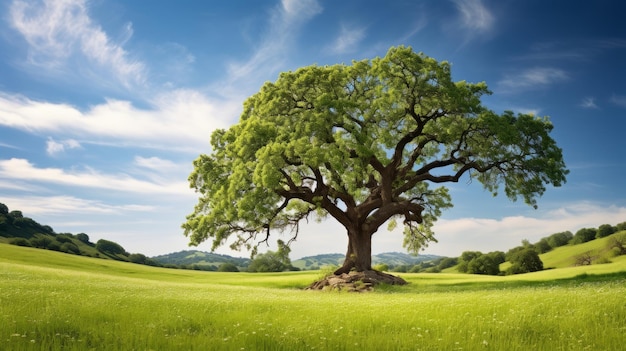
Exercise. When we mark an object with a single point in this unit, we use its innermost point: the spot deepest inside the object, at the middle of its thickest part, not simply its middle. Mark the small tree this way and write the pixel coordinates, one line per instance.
(272, 261)
(618, 244)
(4, 209)
(84, 238)
(466, 258)
(228, 267)
(525, 261)
(484, 264)
(110, 247)
(605, 230)
(583, 235)
(137, 258)
(585, 259)
(560, 239)
(543, 246)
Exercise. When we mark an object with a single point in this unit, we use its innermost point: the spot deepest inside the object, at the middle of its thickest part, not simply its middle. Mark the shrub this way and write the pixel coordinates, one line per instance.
(63, 238)
(84, 238)
(617, 244)
(525, 261)
(40, 241)
(602, 260)
(137, 258)
(20, 242)
(54, 246)
(110, 247)
(448, 262)
(381, 267)
(227, 267)
(70, 247)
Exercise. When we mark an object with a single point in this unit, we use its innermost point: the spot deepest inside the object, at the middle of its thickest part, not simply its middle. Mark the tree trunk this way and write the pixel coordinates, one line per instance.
(359, 255)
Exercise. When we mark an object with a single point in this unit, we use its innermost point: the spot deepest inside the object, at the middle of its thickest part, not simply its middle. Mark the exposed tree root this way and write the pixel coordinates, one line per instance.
(356, 281)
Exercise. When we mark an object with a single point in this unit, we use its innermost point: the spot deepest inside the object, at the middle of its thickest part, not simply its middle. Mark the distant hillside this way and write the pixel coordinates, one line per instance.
(16, 229)
(389, 258)
(200, 259)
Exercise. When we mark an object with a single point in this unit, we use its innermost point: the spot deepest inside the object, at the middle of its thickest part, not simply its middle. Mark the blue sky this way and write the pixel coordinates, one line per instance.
(104, 104)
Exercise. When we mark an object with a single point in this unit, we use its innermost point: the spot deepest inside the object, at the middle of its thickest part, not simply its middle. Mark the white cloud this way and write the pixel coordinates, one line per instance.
(464, 234)
(57, 29)
(300, 9)
(54, 148)
(589, 102)
(348, 40)
(181, 120)
(532, 78)
(23, 170)
(68, 205)
(475, 15)
(8, 146)
(619, 100)
(155, 163)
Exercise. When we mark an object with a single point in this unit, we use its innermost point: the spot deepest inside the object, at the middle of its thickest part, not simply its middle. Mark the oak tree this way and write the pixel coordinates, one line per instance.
(367, 144)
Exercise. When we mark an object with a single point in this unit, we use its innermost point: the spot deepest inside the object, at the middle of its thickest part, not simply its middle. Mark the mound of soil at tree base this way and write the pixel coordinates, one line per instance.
(356, 281)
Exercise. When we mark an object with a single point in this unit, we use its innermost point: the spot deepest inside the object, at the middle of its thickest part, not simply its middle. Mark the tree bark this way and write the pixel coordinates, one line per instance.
(359, 254)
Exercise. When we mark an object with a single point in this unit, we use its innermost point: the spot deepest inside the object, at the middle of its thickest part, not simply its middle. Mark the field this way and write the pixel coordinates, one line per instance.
(55, 301)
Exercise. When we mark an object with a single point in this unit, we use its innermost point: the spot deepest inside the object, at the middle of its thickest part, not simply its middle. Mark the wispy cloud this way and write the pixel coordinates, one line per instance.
(118, 122)
(532, 78)
(348, 40)
(619, 100)
(474, 15)
(23, 170)
(269, 57)
(574, 50)
(589, 102)
(55, 30)
(40, 205)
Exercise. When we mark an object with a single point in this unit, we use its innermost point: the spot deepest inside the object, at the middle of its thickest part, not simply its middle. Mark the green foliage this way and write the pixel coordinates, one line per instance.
(83, 238)
(272, 261)
(4, 209)
(191, 257)
(618, 244)
(69, 247)
(20, 242)
(381, 267)
(227, 267)
(466, 258)
(366, 143)
(16, 214)
(109, 247)
(448, 262)
(583, 235)
(560, 239)
(605, 230)
(525, 261)
(475, 262)
(542, 246)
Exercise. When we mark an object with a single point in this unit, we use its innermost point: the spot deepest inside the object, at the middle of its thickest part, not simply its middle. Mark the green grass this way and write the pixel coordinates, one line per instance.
(54, 301)
(565, 256)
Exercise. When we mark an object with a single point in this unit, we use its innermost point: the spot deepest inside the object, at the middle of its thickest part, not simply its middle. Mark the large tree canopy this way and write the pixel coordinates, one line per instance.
(366, 144)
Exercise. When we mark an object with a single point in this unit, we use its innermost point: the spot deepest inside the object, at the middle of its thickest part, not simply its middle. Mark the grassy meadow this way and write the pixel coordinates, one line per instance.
(55, 301)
